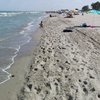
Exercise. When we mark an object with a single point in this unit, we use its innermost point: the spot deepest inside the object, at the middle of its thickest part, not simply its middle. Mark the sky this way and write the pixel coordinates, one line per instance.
(42, 5)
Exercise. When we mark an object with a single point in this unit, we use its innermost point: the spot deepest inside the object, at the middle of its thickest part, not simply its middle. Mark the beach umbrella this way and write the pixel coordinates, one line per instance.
(94, 11)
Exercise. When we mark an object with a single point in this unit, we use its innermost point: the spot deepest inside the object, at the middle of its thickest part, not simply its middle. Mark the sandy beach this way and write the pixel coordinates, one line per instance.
(63, 66)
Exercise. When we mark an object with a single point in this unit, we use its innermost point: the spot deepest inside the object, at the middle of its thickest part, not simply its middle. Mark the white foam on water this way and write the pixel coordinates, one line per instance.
(9, 66)
(12, 59)
(6, 14)
(6, 79)
(15, 54)
(26, 35)
(28, 27)
(22, 32)
(32, 12)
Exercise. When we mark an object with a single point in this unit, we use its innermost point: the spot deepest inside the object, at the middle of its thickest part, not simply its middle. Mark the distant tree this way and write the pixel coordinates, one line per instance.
(96, 5)
(85, 8)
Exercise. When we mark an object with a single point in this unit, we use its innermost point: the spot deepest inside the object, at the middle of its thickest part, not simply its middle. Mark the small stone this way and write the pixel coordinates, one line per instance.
(41, 65)
(57, 60)
(69, 79)
(67, 69)
(83, 86)
(82, 68)
(70, 97)
(38, 90)
(29, 86)
(76, 90)
(27, 79)
(71, 86)
(35, 69)
(93, 89)
(56, 84)
(54, 64)
(39, 56)
(61, 67)
(98, 95)
(67, 62)
(66, 76)
(46, 92)
(75, 60)
(48, 57)
(59, 80)
(85, 82)
(37, 61)
(63, 48)
(31, 67)
(79, 80)
(43, 52)
(85, 90)
(45, 59)
(12, 75)
(92, 77)
(48, 85)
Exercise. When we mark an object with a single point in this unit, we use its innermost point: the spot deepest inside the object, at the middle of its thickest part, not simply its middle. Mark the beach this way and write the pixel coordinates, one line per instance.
(18, 37)
(66, 64)
(62, 65)
(10, 89)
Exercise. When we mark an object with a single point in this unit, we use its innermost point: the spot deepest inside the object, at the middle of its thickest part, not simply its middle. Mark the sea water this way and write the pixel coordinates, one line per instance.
(16, 28)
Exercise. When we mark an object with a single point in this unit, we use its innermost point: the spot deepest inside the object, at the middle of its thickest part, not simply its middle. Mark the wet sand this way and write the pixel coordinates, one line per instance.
(10, 89)
(65, 65)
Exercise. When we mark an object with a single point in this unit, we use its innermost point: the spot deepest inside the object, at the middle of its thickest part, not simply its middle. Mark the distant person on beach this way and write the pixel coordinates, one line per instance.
(41, 24)
(50, 15)
(69, 15)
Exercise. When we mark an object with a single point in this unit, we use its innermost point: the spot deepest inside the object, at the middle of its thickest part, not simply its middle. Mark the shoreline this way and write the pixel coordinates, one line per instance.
(5, 70)
(9, 66)
(13, 61)
(18, 69)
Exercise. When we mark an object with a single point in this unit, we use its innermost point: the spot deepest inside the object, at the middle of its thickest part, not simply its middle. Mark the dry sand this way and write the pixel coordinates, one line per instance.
(66, 65)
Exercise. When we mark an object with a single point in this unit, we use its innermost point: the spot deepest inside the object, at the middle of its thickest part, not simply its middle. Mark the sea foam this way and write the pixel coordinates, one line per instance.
(22, 37)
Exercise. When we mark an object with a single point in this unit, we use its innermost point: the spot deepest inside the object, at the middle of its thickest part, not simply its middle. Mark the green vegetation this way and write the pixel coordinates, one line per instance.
(85, 8)
(96, 5)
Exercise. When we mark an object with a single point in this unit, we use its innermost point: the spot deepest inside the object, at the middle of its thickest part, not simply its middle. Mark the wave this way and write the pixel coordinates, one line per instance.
(4, 70)
(12, 59)
(27, 28)
(31, 12)
(25, 32)
(16, 53)
(9, 14)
